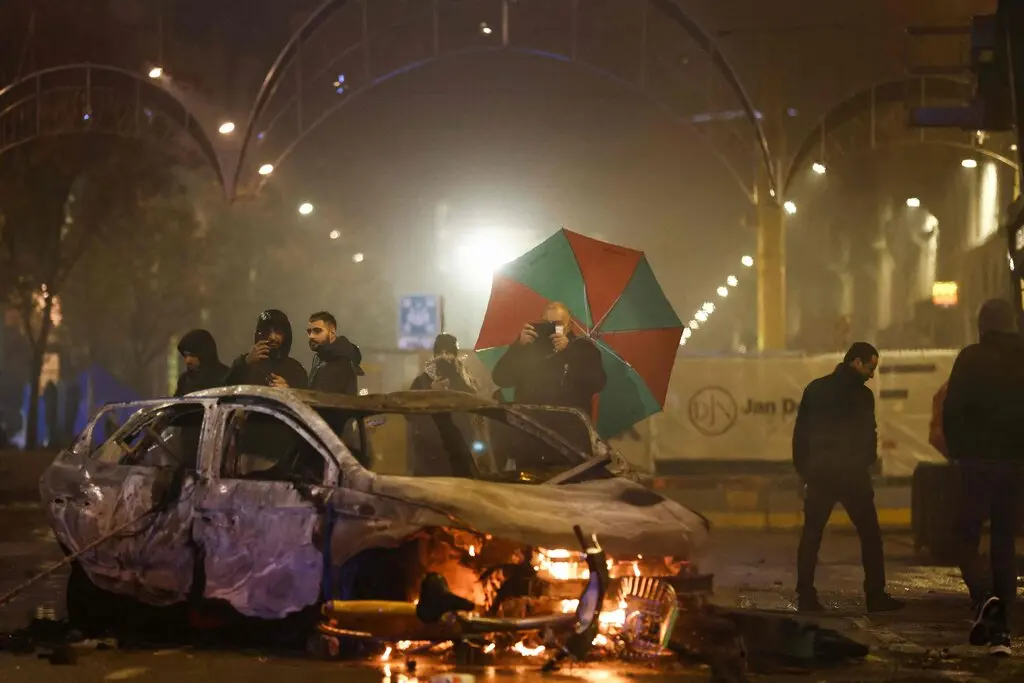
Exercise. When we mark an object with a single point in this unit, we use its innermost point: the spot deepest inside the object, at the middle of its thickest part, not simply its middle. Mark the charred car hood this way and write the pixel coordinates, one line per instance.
(627, 518)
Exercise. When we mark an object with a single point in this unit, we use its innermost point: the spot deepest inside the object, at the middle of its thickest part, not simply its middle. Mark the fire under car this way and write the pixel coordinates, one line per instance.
(412, 517)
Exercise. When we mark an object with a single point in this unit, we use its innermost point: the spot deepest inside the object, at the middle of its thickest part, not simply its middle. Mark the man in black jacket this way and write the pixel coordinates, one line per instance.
(562, 369)
(834, 447)
(335, 359)
(203, 369)
(268, 362)
(983, 422)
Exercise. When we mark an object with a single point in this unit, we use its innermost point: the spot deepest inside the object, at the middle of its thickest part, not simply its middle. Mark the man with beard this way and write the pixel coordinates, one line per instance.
(203, 369)
(268, 362)
(336, 360)
(835, 444)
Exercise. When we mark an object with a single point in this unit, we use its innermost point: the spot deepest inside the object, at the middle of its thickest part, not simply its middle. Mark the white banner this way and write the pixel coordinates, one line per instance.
(734, 408)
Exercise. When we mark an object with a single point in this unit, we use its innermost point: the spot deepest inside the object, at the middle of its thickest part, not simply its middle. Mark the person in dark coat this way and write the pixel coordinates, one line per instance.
(336, 360)
(268, 362)
(983, 423)
(835, 444)
(561, 369)
(445, 370)
(203, 369)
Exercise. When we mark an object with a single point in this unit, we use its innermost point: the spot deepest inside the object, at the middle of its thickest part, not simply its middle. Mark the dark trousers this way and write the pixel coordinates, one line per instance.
(856, 494)
(990, 492)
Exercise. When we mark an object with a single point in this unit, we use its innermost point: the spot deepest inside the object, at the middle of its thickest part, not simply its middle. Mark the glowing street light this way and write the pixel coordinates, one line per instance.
(357, 257)
(701, 316)
(156, 72)
(818, 168)
(732, 281)
(687, 333)
(266, 169)
(913, 203)
(969, 163)
(790, 207)
(747, 261)
(723, 291)
(226, 128)
(305, 208)
(485, 29)
(335, 234)
(694, 325)
(708, 307)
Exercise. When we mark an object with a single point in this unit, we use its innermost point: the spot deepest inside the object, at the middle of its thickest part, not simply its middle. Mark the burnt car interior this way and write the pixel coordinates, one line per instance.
(486, 445)
(168, 437)
(260, 446)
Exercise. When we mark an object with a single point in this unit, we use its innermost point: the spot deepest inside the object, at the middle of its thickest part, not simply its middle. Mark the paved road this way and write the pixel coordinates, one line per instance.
(753, 570)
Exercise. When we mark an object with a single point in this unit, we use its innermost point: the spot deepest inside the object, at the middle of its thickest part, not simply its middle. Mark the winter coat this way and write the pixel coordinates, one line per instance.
(569, 378)
(336, 368)
(835, 432)
(280, 364)
(983, 414)
(210, 374)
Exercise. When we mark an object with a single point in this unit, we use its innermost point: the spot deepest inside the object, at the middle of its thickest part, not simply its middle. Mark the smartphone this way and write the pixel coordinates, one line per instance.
(544, 329)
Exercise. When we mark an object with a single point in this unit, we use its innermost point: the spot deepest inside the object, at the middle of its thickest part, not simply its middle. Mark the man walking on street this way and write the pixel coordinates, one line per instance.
(336, 360)
(834, 446)
(983, 422)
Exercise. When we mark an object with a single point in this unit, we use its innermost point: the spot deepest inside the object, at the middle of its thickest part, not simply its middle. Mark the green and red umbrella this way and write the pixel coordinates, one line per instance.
(613, 296)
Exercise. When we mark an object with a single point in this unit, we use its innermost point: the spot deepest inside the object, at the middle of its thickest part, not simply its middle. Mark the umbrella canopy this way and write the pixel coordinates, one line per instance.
(612, 294)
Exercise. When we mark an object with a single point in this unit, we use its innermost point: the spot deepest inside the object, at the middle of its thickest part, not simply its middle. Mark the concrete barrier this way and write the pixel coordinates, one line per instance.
(19, 476)
(773, 503)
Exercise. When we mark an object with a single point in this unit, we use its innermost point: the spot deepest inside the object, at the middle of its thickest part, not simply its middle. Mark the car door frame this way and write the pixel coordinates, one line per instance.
(147, 554)
(261, 540)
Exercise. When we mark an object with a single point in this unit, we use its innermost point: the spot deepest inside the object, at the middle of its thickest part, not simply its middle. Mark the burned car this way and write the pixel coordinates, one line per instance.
(280, 502)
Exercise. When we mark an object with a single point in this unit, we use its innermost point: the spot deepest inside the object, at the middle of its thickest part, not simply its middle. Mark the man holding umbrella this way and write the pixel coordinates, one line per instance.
(551, 365)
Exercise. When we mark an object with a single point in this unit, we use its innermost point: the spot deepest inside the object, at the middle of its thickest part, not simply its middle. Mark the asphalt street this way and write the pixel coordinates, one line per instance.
(753, 570)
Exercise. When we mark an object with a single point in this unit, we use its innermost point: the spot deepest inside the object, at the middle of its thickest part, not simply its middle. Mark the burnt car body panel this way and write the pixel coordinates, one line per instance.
(260, 534)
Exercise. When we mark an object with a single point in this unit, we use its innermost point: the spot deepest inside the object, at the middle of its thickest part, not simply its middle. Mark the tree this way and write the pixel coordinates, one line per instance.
(59, 202)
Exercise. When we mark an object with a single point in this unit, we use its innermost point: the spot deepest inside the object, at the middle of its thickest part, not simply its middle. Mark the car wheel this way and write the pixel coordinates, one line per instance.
(90, 609)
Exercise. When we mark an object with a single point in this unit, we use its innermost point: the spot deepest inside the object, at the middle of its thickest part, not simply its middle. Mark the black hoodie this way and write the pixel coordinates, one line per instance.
(336, 367)
(280, 363)
(211, 372)
(983, 414)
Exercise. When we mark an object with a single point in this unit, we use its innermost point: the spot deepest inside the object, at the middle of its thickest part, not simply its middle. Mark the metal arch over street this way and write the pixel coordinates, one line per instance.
(94, 98)
(876, 104)
(292, 53)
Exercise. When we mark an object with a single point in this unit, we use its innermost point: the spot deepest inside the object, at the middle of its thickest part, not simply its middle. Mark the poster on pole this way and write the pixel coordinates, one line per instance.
(420, 320)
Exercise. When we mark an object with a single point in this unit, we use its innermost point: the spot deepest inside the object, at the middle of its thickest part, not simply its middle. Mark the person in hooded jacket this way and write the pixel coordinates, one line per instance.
(203, 369)
(336, 360)
(983, 423)
(268, 362)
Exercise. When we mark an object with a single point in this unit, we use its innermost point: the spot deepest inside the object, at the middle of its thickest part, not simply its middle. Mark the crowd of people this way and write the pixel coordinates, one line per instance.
(548, 364)
(979, 426)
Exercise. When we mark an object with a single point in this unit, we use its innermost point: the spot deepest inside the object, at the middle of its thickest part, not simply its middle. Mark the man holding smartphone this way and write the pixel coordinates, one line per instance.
(268, 362)
(551, 365)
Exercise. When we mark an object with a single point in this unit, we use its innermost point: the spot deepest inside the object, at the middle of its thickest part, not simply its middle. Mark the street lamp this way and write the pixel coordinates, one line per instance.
(708, 307)
(156, 72)
(747, 261)
(227, 128)
(790, 207)
(357, 257)
(913, 203)
(694, 325)
(701, 316)
(969, 163)
(818, 168)
(305, 208)
(334, 234)
(266, 169)
(732, 281)
(723, 291)
(485, 29)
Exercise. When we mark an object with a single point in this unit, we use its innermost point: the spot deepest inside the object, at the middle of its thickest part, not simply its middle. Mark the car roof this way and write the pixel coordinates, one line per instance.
(395, 402)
